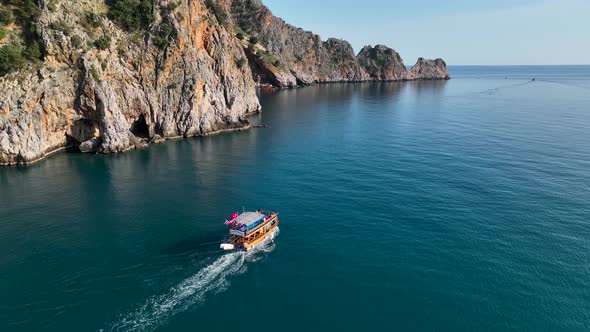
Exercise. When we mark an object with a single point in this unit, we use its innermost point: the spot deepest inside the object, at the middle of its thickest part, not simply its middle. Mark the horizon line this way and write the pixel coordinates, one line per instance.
(520, 65)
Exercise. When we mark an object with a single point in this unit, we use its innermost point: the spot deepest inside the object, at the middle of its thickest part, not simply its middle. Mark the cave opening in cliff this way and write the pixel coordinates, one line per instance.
(140, 128)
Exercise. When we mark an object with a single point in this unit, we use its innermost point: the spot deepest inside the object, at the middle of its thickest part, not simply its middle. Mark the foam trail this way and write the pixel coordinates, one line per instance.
(191, 291)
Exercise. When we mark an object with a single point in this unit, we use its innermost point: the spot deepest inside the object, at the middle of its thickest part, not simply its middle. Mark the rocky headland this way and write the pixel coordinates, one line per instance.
(108, 76)
(286, 56)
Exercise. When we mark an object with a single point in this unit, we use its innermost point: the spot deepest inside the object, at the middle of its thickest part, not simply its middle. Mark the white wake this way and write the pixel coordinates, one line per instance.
(190, 292)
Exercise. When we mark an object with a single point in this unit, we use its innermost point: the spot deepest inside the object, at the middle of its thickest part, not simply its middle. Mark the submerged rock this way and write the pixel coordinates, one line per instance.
(90, 145)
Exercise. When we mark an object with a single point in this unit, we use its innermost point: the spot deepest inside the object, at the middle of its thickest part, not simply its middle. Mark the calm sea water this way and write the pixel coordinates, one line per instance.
(452, 206)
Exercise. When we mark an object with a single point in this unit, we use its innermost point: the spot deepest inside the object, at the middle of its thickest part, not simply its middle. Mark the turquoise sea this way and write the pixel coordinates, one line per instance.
(454, 205)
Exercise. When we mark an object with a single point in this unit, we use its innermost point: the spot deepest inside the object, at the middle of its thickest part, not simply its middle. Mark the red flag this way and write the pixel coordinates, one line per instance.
(233, 216)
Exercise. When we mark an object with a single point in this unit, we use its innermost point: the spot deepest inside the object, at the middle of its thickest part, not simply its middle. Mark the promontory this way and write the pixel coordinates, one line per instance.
(111, 75)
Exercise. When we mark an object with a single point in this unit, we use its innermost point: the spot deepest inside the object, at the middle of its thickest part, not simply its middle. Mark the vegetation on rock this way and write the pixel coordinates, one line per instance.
(140, 16)
(241, 62)
(11, 57)
(103, 42)
(6, 16)
(218, 11)
(165, 32)
(132, 15)
(23, 45)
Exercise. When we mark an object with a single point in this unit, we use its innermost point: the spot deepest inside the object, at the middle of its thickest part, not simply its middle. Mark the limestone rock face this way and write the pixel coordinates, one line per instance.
(429, 70)
(382, 63)
(284, 55)
(303, 57)
(127, 93)
(90, 145)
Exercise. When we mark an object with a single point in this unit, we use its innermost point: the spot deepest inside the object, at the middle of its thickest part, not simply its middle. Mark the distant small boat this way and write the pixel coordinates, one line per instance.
(268, 88)
(250, 229)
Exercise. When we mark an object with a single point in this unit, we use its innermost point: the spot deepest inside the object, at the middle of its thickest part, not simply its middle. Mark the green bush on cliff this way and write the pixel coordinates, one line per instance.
(132, 15)
(33, 51)
(138, 16)
(6, 16)
(52, 5)
(241, 62)
(11, 58)
(25, 11)
(24, 45)
(22, 12)
(77, 41)
(218, 11)
(90, 20)
(164, 35)
(103, 42)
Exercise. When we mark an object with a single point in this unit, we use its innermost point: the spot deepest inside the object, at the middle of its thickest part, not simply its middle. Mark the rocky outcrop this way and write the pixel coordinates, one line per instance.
(304, 58)
(429, 70)
(382, 63)
(127, 90)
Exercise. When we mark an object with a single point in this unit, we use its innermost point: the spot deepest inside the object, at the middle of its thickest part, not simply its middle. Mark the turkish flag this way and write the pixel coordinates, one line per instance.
(233, 216)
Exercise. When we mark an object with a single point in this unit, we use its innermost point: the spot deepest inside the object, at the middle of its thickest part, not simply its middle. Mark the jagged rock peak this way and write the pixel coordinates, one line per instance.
(284, 55)
(426, 69)
(382, 63)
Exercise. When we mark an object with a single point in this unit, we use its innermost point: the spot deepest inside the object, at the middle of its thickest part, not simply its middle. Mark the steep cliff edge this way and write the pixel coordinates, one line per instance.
(109, 90)
(285, 56)
(302, 57)
(112, 75)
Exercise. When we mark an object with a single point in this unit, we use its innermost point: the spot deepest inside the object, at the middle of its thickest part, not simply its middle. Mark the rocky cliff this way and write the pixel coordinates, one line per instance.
(112, 75)
(429, 70)
(382, 63)
(109, 90)
(284, 55)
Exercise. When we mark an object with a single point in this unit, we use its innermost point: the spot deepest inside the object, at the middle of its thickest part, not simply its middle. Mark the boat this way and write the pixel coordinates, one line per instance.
(249, 229)
(268, 88)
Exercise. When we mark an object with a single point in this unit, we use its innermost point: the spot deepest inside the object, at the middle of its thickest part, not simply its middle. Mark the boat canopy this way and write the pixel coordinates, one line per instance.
(250, 219)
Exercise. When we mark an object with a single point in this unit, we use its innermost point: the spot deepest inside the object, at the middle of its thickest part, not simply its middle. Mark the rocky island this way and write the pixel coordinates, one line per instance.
(109, 76)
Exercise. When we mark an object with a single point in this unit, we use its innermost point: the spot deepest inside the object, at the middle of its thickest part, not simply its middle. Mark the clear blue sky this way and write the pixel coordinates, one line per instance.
(463, 32)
